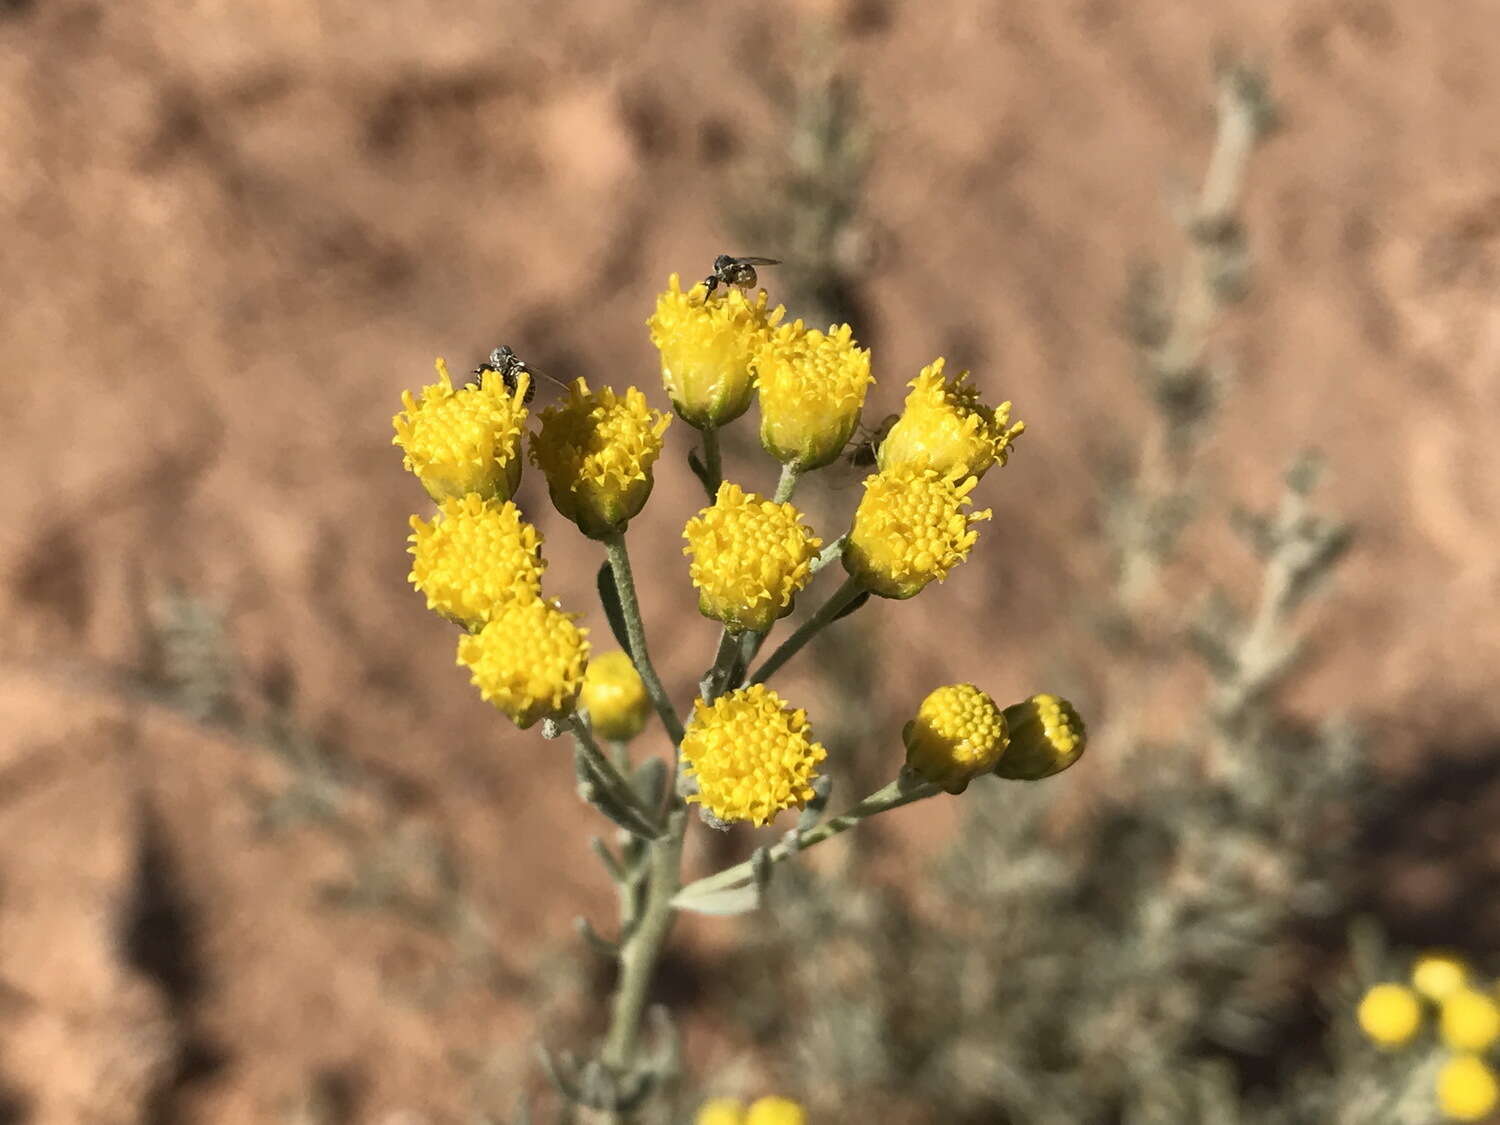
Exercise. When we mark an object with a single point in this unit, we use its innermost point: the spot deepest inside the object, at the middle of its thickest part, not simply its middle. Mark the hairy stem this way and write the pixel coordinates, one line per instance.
(787, 484)
(713, 471)
(789, 648)
(635, 631)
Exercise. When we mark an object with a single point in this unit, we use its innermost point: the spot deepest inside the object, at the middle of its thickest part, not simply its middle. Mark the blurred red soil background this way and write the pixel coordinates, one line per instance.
(232, 234)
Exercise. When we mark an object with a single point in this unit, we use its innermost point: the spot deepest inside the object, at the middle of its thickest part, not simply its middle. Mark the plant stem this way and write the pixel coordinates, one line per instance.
(789, 648)
(891, 796)
(621, 790)
(635, 631)
(712, 464)
(787, 484)
(639, 953)
(725, 660)
(829, 553)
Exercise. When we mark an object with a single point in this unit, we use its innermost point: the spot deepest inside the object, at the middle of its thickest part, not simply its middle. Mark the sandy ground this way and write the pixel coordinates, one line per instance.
(231, 234)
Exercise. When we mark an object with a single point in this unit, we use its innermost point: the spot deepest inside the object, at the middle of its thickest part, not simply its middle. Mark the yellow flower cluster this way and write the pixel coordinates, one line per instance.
(910, 529)
(750, 558)
(529, 660)
(812, 388)
(1046, 737)
(463, 441)
(476, 556)
(616, 698)
(946, 428)
(958, 734)
(707, 349)
(763, 1111)
(1391, 1014)
(596, 450)
(752, 755)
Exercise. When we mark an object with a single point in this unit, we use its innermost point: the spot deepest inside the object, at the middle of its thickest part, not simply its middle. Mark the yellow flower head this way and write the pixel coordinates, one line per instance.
(596, 450)
(812, 388)
(615, 697)
(720, 1111)
(750, 556)
(775, 1111)
(474, 557)
(752, 755)
(1469, 1020)
(528, 661)
(707, 348)
(910, 528)
(957, 735)
(1390, 1014)
(1046, 737)
(945, 427)
(1435, 975)
(466, 440)
(1467, 1089)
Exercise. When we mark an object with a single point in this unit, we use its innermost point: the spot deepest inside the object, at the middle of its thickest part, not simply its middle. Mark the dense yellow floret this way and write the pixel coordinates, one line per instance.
(812, 388)
(910, 529)
(1047, 736)
(529, 661)
(1390, 1014)
(1467, 1089)
(1469, 1020)
(751, 754)
(464, 440)
(945, 427)
(707, 348)
(596, 449)
(1435, 975)
(616, 697)
(957, 735)
(475, 556)
(750, 557)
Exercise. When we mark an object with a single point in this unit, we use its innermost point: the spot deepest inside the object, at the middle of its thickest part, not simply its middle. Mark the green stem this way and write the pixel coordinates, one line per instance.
(787, 484)
(712, 463)
(635, 631)
(717, 678)
(891, 796)
(789, 648)
(639, 954)
(829, 553)
(620, 788)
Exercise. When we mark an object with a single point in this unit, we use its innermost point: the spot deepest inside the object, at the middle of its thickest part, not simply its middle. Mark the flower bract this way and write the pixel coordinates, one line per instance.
(464, 440)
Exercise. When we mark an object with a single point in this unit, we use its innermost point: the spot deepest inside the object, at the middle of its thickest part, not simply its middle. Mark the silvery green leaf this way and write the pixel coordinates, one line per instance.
(735, 900)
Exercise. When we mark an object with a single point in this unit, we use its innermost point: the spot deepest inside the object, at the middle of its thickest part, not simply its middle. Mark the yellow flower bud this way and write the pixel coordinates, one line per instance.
(707, 348)
(529, 661)
(910, 529)
(945, 427)
(1436, 975)
(752, 755)
(616, 698)
(1046, 737)
(957, 735)
(720, 1111)
(812, 388)
(475, 556)
(1469, 1020)
(1390, 1014)
(597, 449)
(750, 558)
(462, 441)
(775, 1111)
(1467, 1089)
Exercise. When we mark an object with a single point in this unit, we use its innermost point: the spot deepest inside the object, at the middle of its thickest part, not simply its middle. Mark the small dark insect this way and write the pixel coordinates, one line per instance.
(865, 444)
(739, 272)
(508, 366)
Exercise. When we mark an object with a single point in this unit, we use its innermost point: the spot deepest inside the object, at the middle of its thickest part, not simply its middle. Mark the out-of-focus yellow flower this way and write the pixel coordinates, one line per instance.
(529, 661)
(1046, 737)
(775, 1111)
(1467, 1089)
(707, 348)
(1469, 1020)
(910, 529)
(475, 556)
(812, 388)
(752, 755)
(957, 735)
(750, 558)
(1435, 975)
(720, 1111)
(945, 427)
(597, 449)
(1390, 1014)
(616, 698)
(464, 440)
